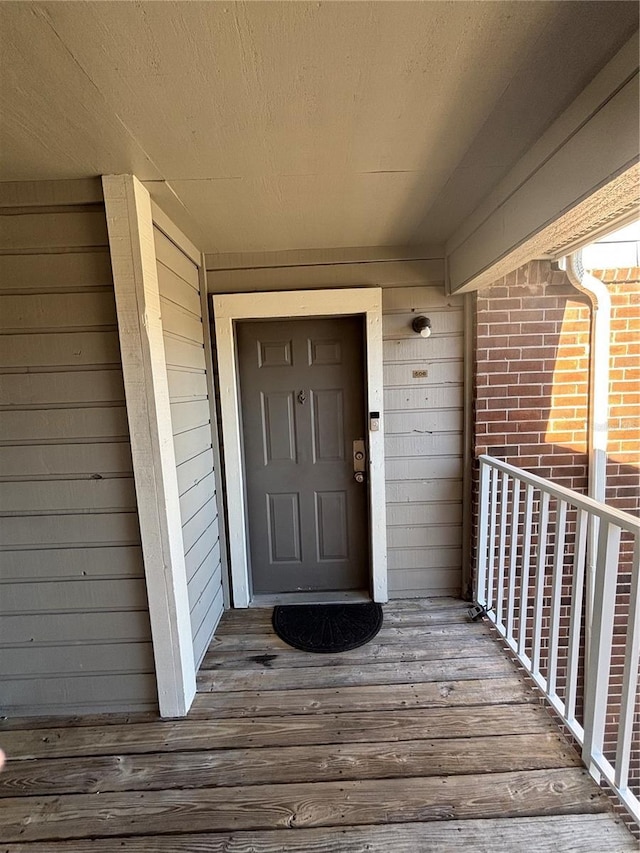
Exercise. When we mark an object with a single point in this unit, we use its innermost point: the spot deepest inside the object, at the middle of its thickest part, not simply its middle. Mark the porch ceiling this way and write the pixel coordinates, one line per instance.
(274, 126)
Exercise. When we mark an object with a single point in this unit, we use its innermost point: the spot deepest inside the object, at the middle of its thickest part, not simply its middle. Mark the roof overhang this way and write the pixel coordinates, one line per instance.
(581, 179)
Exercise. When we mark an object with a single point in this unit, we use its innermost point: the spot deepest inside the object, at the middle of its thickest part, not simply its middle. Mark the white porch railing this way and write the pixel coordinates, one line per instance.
(532, 576)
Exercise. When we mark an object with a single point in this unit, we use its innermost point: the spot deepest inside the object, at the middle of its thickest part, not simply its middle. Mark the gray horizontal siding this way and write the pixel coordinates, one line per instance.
(423, 442)
(183, 331)
(74, 623)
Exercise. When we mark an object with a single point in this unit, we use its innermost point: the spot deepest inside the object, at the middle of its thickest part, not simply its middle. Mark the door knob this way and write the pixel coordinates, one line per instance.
(359, 477)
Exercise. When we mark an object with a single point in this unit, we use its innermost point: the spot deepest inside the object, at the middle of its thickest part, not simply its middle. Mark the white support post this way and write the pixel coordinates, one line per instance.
(597, 674)
(130, 226)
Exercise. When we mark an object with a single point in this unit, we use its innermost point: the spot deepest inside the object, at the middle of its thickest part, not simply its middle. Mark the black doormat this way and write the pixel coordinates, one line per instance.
(325, 628)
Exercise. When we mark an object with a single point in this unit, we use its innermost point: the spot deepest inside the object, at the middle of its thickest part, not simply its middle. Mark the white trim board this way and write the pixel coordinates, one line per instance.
(135, 278)
(215, 434)
(306, 303)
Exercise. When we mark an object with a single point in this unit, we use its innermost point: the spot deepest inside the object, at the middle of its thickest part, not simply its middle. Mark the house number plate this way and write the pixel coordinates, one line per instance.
(420, 374)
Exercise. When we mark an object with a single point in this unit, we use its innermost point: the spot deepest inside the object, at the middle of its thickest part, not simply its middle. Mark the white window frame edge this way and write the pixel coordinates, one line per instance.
(227, 309)
(133, 259)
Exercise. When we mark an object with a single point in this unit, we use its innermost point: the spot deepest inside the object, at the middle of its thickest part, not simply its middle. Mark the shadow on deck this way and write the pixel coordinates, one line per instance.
(427, 739)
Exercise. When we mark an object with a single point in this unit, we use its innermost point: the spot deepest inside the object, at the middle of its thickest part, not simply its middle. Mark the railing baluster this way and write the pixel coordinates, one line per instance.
(492, 536)
(556, 596)
(501, 550)
(526, 559)
(500, 530)
(597, 675)
(541, 566)
(630, 677)
(483, 523)
(577, 593)
(513, 556)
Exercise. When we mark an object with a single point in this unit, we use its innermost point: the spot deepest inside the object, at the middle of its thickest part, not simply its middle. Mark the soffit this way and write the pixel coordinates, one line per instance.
(275, 126)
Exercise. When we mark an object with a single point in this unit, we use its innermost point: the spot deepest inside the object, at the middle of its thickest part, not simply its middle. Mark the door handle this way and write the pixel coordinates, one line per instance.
(359, 477)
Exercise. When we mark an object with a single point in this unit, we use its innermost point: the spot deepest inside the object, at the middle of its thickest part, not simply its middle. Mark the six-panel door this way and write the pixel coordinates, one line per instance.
(302, 395)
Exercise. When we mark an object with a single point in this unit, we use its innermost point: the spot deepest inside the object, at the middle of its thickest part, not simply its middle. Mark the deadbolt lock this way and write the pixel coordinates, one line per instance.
(359, 456)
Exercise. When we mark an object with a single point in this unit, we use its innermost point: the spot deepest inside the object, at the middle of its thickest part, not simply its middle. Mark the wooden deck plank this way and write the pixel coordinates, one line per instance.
(591, 833)
(338, 804)
(348, 727)
(118, 718)
(390, 636)
(328, 700)
(426, 605)
(350, 676)
(374, 652)
(255, 766)
(259, 621)
(434, 603)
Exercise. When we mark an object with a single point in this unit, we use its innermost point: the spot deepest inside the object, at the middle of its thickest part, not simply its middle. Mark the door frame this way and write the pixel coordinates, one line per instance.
(230, 308)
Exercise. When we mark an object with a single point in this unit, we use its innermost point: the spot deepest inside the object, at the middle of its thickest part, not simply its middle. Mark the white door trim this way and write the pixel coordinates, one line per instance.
(366, 301)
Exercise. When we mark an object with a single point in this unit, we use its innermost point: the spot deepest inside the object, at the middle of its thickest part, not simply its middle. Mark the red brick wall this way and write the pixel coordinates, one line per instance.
(532, 361)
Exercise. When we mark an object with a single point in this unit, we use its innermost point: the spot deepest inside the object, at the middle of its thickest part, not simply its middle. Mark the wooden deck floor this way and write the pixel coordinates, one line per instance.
(427, 739)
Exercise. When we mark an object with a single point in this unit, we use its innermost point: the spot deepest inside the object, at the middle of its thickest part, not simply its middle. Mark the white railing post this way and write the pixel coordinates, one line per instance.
(502, 544)
(628, 706)
(513, 556)
(492, 537)
(483, 524)
(526, 560)
(596, 688)
(556, 596)
(577, 593)
(541, 568)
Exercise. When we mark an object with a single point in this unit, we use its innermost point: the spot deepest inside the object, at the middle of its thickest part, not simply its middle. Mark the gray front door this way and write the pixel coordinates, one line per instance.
(302, 394)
